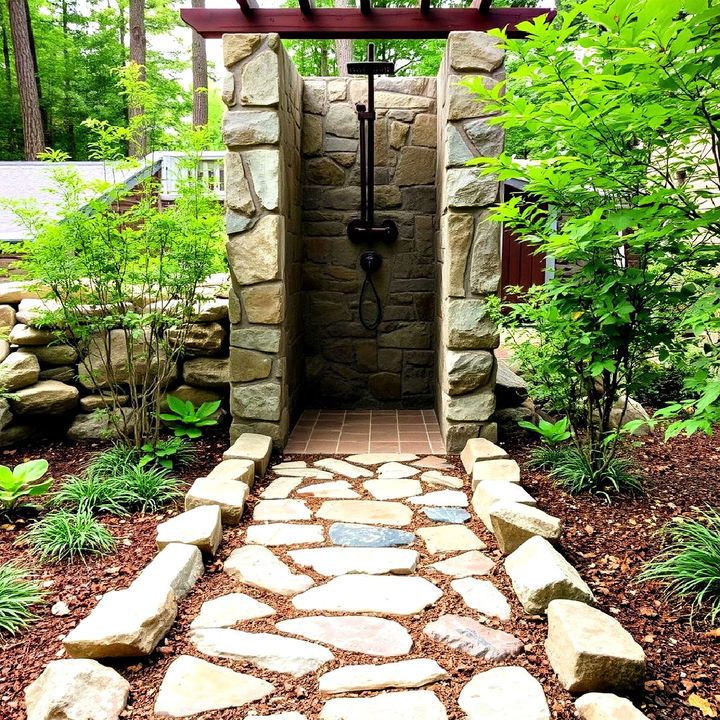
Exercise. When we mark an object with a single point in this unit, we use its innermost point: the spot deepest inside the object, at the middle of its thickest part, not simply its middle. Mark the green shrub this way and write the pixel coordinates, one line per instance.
(22, 482)
(17, 594)
(186, 420)
(112, 461)
(64, 535)
(546, 457)
(149, 488)
(95, 494)
(167, 453)
(690, 564)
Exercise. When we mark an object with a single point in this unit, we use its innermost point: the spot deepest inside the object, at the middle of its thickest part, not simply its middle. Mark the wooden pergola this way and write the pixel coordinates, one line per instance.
(307, 21)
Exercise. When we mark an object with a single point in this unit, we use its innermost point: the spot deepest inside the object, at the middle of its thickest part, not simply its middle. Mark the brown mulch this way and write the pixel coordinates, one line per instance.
(607, 543)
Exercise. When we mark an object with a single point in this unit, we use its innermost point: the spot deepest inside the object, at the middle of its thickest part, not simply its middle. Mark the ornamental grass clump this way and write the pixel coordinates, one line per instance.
(17, 595)
(689, 566)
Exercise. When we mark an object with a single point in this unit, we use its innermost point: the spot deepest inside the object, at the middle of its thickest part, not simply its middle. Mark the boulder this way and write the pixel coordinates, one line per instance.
(200, 527)
(53, 354)
(18, 370)
(16, 434)
(591, 652)
(4, 349)
(510, 388)
(207, 372)
(480, 449)
(514, 523)
(467, 370)
(100, 425)
(7, 316)
(230, 495)
(200, 338)
(96, 402)
(125, 623)
(540, 574)
(493, 491)
(6, 416)
(76, 690)
(251, 446)
(25, 335)
(606, 706)
(633, 411)
(63, 373)
(176, 566)
(47, 397)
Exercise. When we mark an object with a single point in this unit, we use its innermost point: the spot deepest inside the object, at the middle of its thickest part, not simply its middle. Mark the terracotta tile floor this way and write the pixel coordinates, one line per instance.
(338, 432)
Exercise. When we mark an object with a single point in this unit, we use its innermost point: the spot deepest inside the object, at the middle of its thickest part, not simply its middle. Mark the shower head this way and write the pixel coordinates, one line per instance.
(371, 67)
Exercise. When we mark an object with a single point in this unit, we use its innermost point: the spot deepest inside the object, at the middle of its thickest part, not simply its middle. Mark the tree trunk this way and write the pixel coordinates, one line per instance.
(67, 84)
(199, 75)
(33, 135)
(343, 46)
(138, 48)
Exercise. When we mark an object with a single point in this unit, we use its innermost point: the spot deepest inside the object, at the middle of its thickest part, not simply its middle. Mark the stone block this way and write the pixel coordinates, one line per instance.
(18, 370)
(467, 188)
(228, 90)
(254, 255)
(314, 96)
(25, 335)
(47, 397)
(125, 623)
(250, 127)
(488, 139)
(76, 689)
(264, 169)
(237, 46)
(485, 257)
(495, 491)
(514, 523)
(207, 372)
(200, 527)
(230, 495)
(7, 316)
(424, 130)
(264, 304)
(469, 327)
(254, 447)
(476, 406)
(606, 706)
(457, 234)
(235, 222)
(540, 574)
(264, 339)
(466, 371)
(591, 652)
(312, 135)
(237, 191)
(176, 566)
(202, 338)
(480, 449)
(341, 120)
(257, 401)
(464, 104)
(474, 51)
(236, 469)
(502, 469)
(53, 354)
(260, 83)
(398, 133)
(457, 151)
(416, 166)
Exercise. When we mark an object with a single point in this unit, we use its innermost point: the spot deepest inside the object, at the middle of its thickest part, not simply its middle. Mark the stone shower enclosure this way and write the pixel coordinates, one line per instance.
(292, 185)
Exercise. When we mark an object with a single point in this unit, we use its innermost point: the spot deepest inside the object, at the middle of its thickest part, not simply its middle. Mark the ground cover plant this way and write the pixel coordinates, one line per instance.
(18, 594)
(623, 191)
(187, 420)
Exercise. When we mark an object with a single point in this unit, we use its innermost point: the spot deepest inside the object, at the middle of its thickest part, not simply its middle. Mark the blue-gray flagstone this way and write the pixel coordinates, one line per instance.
(447, 515)
(352, 535)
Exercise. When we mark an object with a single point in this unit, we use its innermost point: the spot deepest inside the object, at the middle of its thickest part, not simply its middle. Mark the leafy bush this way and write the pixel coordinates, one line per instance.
(17, 594)
(64, 535)
(149, 488)
(551, 433)
(112, 461)
(166, 453)
(690, 564)
(665, 384)
(95, 494)
(187, 420)
(20, 483)
(546, 457)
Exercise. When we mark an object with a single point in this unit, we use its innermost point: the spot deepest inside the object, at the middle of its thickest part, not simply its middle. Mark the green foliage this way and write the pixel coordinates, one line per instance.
(186, 419)
(689, 566)
(64, 535)
(94, 493)
(22, 482)
(114, 460)
(624, 190)
(546, 457)
(551, 433)
(149, 488)
(17, 595)
(166, 453)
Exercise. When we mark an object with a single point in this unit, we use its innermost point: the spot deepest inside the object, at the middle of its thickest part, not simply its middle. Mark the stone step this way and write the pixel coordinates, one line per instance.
(280, 488)
(265, 650)
(251, 446)
(480, 449)
(342, 467)
(396, 471)
(355, 535)
(331, 561)
(590, 651)
(228, 494)
(402, 705)
(228, 610)
(504, 693)
(606, 706)
(177, 566)
(514, 523)
(281, 510)
(368, 635)
(472, 637)
(447, 515)
(403, 674)
(487, 493)
(393, 489)
(505, 470)
(540, 574)
(237, 469)
(200, 527)
(483, 596)
(434, 477)
(193, 686)
(275, 534)
(450, 538)
(382, 594)
(371, 512)
(338, 489)
(257, 566)
(466, 564)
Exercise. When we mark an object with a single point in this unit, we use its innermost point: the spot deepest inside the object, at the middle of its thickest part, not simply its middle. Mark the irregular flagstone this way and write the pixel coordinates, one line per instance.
(386, 594)
(369, 536)
(441, 498)
(493, 491)
(395, 471)
(200, 526)
(373, 512)
(392, 489)
(605, 706)
(274, 534)
(281, 510)
(76, 689)
(473, 638)
(483, 596)
(464, 565)
(540, 574)
(480, 449)
(125, 623)
(433, 462)
(433, 477)
(403, 674)
(379, 458)
(228, 610)
(331, 561)
(590, 651)
(280, 489)
(447, 515)
(340, 489)
(506, 470)
(257, 566)
(513, 524)
(272, 652)
(369, 635)
(293, 464)
(311, 473)
(450, 538)
(192, 686)
(403, 705)
(504, 693)
(177, 566)
(341, 467)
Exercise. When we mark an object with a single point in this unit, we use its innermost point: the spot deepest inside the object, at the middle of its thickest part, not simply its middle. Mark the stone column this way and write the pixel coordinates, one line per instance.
(468, 246)
(261, 129)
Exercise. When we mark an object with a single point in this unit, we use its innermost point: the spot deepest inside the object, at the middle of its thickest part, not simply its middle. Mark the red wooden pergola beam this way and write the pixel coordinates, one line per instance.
(330, 23)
